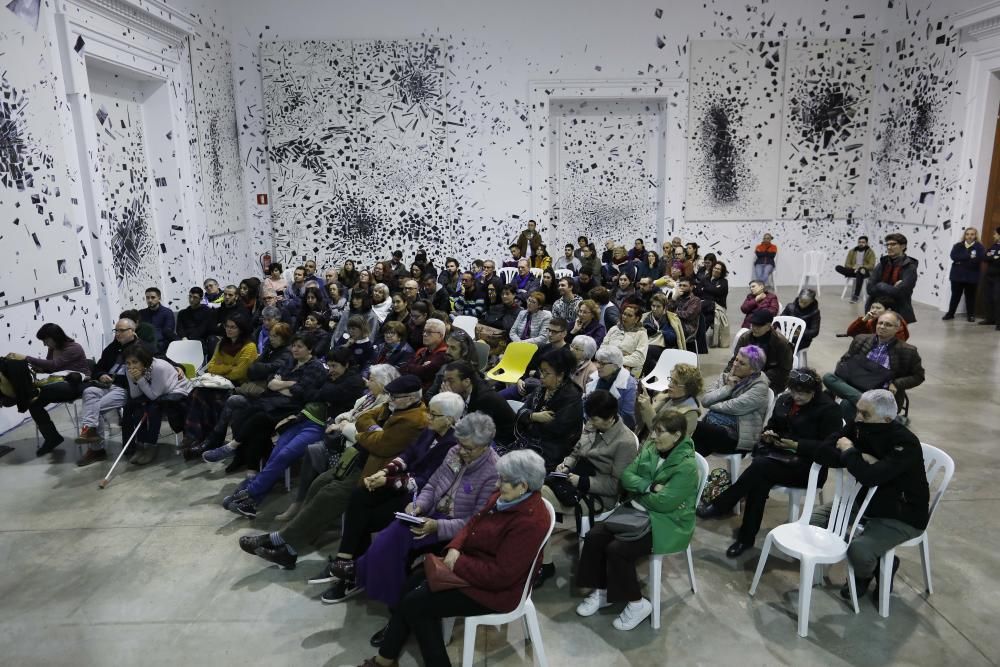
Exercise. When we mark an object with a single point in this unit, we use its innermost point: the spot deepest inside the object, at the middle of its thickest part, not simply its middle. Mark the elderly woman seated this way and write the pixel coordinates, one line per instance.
(152, 385)
(583, 348)
(736, 406)
(803, 418)
(460, 487)
(630, 337)
(550, 420)
(682, 394)
(612, 376)
(593, 469)
(340, 431)
(494, 554)
(373, 505)
(662, 482)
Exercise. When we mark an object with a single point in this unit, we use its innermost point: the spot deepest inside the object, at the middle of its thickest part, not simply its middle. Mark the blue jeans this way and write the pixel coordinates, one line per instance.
(290, 447)
(762, 272)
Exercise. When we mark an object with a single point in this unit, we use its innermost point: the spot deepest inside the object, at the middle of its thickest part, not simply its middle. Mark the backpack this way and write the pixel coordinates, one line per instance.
(718, 482)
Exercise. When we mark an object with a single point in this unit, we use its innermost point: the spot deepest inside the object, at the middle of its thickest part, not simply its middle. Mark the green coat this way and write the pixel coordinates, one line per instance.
(671, 510)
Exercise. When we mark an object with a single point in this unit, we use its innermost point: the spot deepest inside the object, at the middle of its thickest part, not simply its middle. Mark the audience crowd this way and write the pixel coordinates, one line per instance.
(370, 381)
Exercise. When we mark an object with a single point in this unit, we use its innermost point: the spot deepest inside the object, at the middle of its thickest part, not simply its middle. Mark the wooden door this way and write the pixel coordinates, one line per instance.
(991, 216)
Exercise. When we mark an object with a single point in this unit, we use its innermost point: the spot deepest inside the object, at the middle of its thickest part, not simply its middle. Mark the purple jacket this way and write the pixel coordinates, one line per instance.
(420, 461)
(479, 482)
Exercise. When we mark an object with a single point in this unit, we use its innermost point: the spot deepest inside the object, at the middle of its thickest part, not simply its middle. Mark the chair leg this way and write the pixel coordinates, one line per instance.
(853, 587)
(447, 628)
(288, 480)
(805, 595)
(694, 585)
(925, 559)
(535, 632)
(885, 575)
(469, 645)
(760, 563)
(655, 572)
(793, 507)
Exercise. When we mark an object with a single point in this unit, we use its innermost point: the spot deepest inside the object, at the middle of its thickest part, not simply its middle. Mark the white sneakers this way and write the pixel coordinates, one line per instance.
(595, 601)
(633, 614)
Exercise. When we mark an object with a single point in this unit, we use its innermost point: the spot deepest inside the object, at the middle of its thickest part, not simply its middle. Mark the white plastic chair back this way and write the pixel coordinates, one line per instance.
(703, 472)
(845, 492)
(187, 352)
(515, 405)
(466, 323)
(813, 263)
(791, 328)
(507, 273)
(564, 273)
(483, 352)
(736, 338)
(771, 400)
(939, 468)
(659, 377)
(537, 273)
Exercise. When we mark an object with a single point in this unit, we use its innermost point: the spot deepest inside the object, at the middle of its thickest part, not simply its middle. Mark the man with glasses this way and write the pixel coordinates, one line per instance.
(895, 276)
(431, 356)
(213, 295)
(490, 277)
(109, 392)
(411, 291)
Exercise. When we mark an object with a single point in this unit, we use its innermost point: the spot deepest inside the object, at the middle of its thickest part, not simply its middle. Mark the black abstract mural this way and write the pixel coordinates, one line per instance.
(734, 128)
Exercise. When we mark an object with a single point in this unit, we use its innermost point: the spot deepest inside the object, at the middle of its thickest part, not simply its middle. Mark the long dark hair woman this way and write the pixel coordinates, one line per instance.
(312, 302)
(349, 274)
(550, 286)
(360, 304)
(648, 266)
(551, 419)
(250, 293)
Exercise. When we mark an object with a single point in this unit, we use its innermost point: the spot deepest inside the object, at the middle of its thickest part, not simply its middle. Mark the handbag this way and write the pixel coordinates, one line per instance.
(718, 481)
(862, 373)
(628, 523)
(439, 577)
(252, 388)
(564, 491)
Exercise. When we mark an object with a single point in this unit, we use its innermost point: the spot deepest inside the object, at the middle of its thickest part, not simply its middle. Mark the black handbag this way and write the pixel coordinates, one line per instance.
(862, 373)
(564, 491)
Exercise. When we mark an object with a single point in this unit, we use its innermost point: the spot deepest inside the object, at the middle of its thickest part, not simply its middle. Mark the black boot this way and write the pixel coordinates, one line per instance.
(861, 584)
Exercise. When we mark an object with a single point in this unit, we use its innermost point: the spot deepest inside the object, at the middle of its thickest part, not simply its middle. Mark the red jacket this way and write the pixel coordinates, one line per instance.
(426, 363)
(499, 550)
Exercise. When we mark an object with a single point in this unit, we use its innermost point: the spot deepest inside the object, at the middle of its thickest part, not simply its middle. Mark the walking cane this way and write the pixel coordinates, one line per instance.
(103, 484)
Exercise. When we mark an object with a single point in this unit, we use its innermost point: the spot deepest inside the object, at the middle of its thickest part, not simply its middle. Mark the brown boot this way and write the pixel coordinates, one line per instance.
(92, 456)
(88, 434)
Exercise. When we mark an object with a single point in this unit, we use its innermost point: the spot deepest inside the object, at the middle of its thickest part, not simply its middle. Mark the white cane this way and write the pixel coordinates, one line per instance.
(103, 484)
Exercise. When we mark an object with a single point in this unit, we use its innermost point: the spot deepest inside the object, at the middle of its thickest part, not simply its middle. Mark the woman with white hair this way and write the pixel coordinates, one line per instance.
(381, 303)
(736, 406)
(340, 431)
(583, 348)
(459, 488)
(494, 554)
(612, 376)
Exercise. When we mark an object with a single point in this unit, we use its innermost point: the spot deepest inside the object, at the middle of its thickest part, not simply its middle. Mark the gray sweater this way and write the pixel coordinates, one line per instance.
(748, 404)
(159, 380)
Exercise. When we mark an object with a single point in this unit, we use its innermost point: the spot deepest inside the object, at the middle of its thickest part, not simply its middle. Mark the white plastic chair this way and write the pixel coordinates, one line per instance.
(812, 267)
(936, 464)
(525, 610)
(849, 286)
(537, 273)
(483, 352)
(466, 323)
(791, 328)
(736, 338)
(816, 545)
(656, 560)
(507, 273)
(585, 524)
(659, 378)
(735, 461)
(564, 273)
(515, 405)
(187, 352)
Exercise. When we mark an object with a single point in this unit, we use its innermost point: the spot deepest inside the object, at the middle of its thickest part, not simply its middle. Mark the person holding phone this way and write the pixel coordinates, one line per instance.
(803, 418)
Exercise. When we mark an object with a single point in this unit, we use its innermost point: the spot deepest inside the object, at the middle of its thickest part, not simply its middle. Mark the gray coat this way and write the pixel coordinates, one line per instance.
(610, 453)
(748, 403)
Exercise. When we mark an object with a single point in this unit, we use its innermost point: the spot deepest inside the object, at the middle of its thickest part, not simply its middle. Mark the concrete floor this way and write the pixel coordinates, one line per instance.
(148, 570)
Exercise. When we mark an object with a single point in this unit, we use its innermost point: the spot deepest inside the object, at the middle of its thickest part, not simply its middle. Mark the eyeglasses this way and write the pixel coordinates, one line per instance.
(800, 376)
(121, 330)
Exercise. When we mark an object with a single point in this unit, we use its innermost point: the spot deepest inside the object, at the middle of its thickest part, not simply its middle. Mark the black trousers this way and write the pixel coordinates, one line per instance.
(711, 439)
(254, 435)
(369, 512)
(991, 292)
(609, 563)
(420, 612)
(55, 392)
(957, 290)
(859, 274)
(755, 484)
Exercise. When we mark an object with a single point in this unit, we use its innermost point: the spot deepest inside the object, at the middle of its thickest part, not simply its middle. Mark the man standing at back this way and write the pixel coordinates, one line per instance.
(895, 276)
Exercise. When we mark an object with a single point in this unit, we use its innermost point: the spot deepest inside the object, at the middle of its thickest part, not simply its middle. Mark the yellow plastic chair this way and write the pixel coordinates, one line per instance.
(513, 363)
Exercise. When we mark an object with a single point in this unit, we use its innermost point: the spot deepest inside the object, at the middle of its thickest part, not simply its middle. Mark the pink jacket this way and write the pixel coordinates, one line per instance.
(750, 304)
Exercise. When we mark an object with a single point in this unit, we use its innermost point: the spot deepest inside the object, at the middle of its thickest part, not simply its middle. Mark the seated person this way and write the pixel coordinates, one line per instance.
(612, 376)
(276, 281)
(624, 290)
(524, 282)
(460, 487)
(360, 304)
(431, 356)
(714, 286)
(515, 257)
(594, 467)
(232, 359)
(394, 350)
(64, 355)
(531, 323)
(550, 419)
(686, 385)
(462, 378)
(568, 303)
(775, 346)
(502, 309)
(806, 308)
(213, 295)
(663, 329)
(381, 301)
(662, 481)
(585, 280)
(866, 323)
(758, 299)
(434, 294)
(588, 322)
(287, 393)
(316, 332)
(471, 299)
(803, 418)
(336, 304)
(859, 264)
(358, 343)
(583, 348)
(382, 434)
(736, 406)
(495, 553)
(610, 313)
(419, 314)
(880, 452)
(110, 391)
(160, 318)
(568, 261)
(686, 306)
(646, 290)
(269, 316)
(197, 321)
(340, 432)
(150, 381)
(630, 337)
(876, 361)
(294, 433)
(231, 305)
